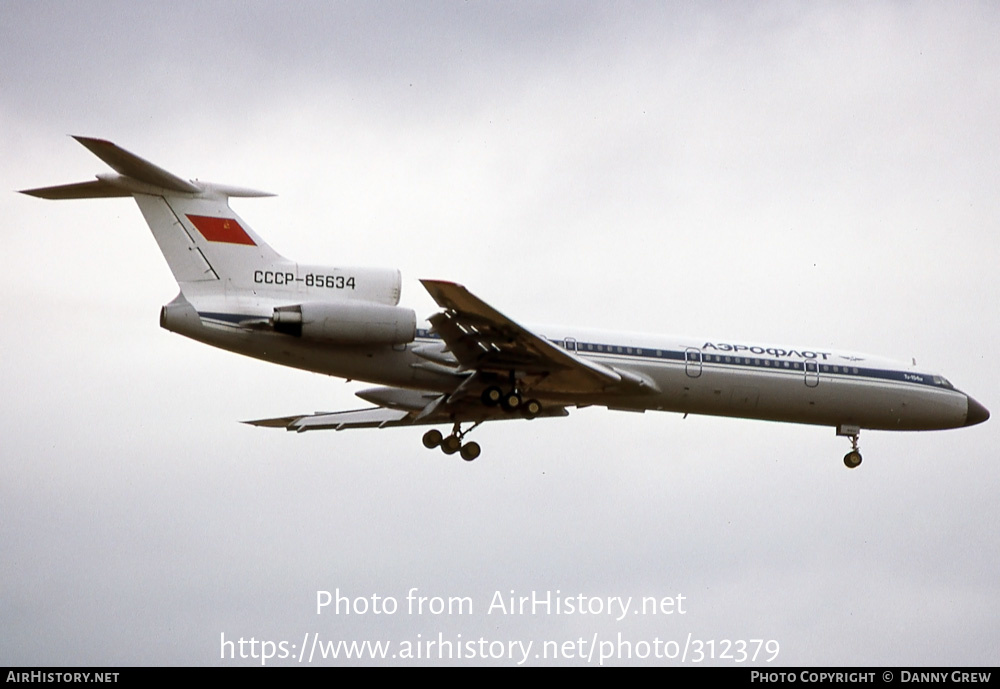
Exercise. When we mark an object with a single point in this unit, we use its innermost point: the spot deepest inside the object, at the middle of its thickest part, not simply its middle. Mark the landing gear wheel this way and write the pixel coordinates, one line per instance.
(852, 459)
(451, 445)
(492, 396)
(511, 401)
(531, 409)
(470, 451)
(432, 438)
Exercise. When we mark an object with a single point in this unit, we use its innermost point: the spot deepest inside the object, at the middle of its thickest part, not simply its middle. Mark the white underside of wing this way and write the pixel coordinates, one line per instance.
(438, 411)
(375, 417)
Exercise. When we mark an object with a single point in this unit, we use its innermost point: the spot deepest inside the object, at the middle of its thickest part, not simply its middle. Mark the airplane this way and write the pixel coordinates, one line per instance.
(469, 363)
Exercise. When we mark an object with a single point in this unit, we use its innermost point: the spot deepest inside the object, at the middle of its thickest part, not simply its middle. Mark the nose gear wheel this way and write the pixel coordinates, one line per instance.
(852, 460)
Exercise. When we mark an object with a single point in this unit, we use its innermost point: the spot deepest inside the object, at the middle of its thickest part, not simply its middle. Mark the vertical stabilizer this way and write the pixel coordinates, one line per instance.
(201, 238)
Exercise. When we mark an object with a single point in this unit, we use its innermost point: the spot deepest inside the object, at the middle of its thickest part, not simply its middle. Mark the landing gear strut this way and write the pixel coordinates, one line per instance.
(852, 459)
(453, 443)
(509, 400)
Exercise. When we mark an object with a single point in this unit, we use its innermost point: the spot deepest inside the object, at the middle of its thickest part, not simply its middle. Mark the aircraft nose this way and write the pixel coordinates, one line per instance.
(977, 413)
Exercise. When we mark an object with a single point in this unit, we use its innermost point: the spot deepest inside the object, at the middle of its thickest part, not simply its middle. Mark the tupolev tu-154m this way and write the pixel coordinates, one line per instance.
(471, 363)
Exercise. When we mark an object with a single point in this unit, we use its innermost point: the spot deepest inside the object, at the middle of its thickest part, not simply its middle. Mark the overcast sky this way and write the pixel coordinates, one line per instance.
(822, 175)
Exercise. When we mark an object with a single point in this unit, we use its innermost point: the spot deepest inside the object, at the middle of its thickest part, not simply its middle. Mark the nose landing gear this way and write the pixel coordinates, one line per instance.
(852, 459)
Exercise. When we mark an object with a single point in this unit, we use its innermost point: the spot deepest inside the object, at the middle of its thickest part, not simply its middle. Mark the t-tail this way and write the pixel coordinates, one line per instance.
(229, 276)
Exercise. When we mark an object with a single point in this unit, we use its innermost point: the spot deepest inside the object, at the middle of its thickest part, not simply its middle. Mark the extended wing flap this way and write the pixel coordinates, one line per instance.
(483, 339)
(375, 417)
(477, 343)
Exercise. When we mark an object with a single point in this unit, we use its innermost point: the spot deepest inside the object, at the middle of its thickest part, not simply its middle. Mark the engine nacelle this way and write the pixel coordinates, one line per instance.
(347, 322)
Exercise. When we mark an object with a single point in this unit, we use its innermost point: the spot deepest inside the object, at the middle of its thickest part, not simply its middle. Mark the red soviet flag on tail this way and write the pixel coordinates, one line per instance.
(221, 230)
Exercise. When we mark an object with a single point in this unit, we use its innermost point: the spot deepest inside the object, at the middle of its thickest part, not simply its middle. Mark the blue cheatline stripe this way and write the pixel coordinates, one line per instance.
(713, 360)
(740, 362)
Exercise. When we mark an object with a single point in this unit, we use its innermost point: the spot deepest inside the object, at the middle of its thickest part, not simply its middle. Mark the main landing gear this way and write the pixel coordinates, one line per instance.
(852, 460)
(511, 402)
(453, 443)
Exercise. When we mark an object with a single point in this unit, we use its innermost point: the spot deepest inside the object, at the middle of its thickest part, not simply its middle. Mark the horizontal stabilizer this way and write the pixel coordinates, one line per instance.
(135, 176)
(98, 189)
(131, 165)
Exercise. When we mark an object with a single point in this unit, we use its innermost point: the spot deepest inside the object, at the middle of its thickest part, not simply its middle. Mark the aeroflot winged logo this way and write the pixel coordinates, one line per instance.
(221, 230)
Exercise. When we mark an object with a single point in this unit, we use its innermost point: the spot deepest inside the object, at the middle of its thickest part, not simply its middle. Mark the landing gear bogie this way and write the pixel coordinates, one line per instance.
(453, 444)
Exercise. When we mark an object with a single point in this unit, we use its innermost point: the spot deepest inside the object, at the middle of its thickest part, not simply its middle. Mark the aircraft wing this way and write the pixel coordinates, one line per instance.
(375, 417)
(433, 413)
(484, 340)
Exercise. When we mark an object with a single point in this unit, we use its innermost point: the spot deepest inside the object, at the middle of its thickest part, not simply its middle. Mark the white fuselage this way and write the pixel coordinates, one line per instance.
(697, 376)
